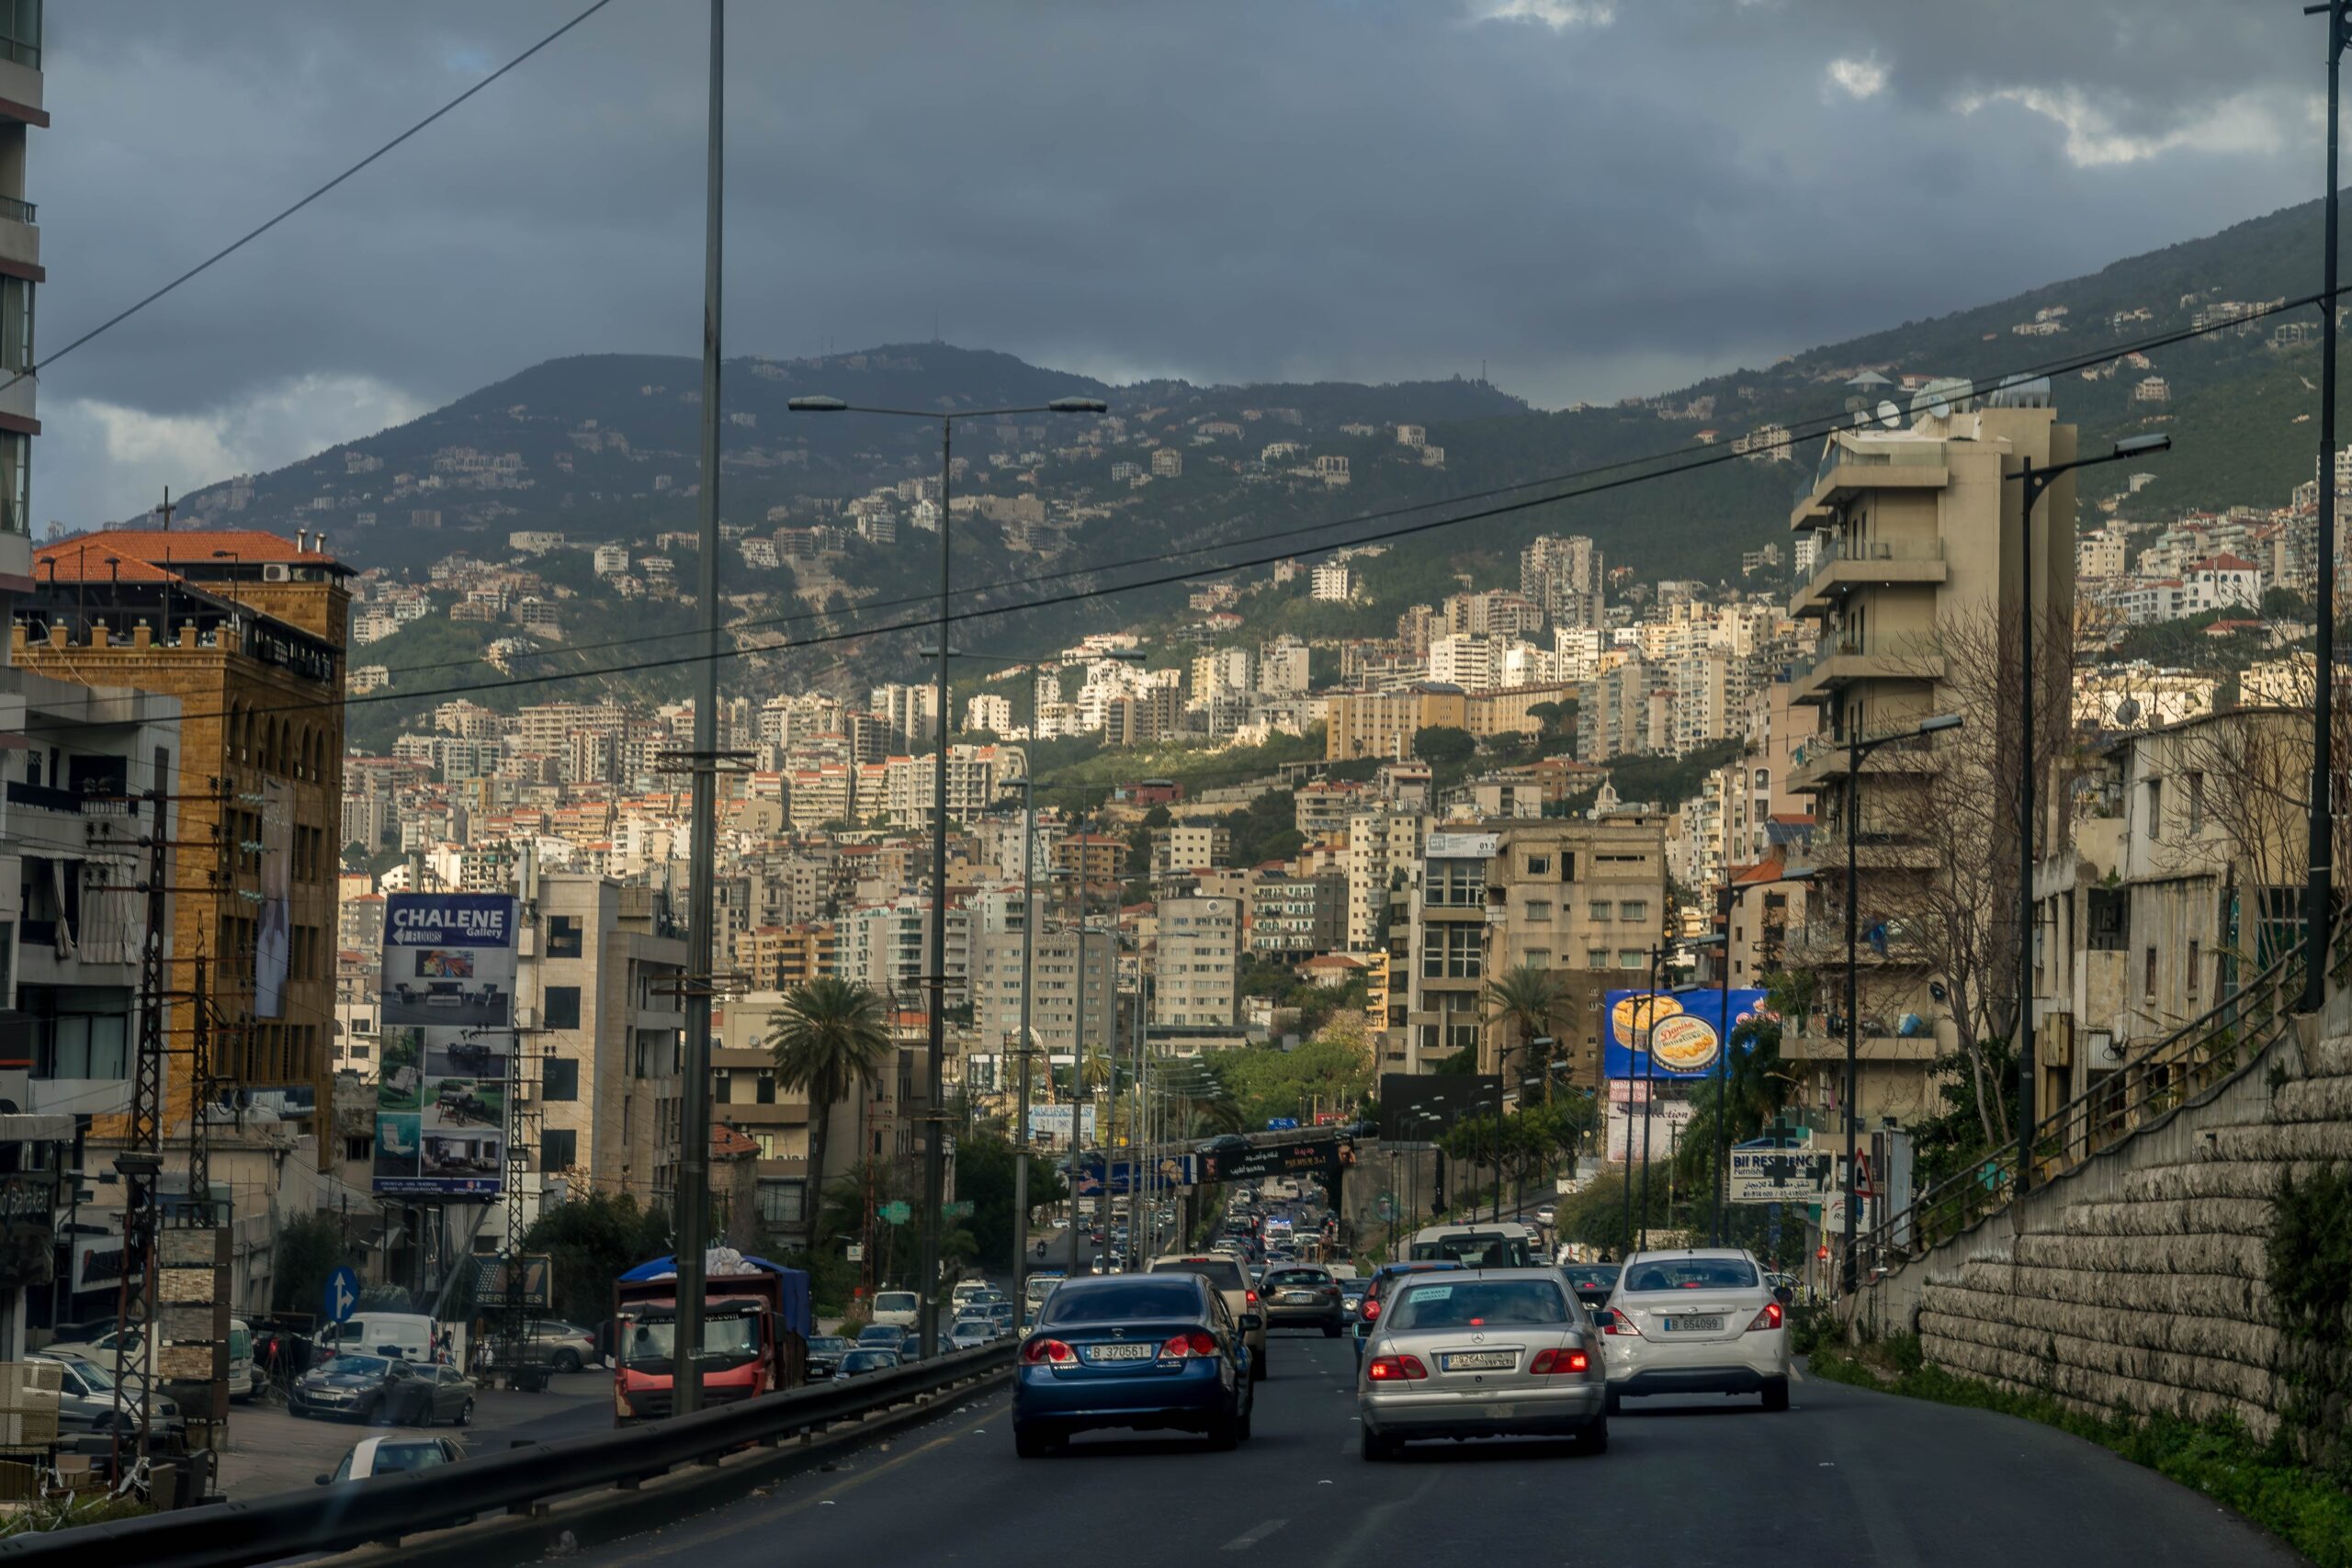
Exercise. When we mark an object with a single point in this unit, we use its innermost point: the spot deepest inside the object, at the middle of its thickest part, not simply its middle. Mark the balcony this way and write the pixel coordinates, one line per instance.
(1841, 661)
(1847, 468)
(1845, 564)
(1819, 763)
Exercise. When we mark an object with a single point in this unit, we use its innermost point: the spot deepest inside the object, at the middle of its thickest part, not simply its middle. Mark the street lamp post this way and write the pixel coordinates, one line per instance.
(1856, 749)
(934, 1156)
(2318, 893)
(2036, 480)
(1727, 899)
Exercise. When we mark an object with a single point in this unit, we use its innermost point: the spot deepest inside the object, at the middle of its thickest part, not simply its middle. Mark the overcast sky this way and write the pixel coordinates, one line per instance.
(1596, 197)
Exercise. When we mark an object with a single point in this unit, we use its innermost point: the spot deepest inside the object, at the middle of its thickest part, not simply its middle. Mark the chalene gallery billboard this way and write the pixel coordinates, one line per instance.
(446, 1050)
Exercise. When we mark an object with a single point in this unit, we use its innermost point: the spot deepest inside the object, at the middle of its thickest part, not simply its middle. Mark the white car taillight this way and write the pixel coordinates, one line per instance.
(1769, 1318)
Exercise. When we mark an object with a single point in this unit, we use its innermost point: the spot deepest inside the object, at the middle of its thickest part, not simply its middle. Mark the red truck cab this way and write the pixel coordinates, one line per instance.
(751, 1345)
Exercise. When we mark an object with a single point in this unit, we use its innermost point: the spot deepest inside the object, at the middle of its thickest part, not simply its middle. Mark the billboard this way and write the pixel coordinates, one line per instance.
(1230, 1162)
(1636, 1118)
(1049, 1126)
(446, 1049)
(1762, 1174)
(1688, 1030)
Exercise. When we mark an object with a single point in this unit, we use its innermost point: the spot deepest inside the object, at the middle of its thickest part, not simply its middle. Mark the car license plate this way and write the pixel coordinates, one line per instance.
(1713, 1324)
(1122, 1352)
(1481, 1361)
(1298, 1298)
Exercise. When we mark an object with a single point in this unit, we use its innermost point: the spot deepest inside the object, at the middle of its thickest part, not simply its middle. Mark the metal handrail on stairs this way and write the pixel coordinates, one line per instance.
(2171, 1073)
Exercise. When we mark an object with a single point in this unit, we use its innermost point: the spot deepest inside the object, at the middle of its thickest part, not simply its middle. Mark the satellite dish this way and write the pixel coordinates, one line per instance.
(1941, 409)
(2128, 711)
(1888, 414)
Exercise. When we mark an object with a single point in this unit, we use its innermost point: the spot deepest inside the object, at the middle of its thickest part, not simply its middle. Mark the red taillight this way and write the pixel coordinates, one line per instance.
(1768, 1318)
(1615, 1321)
(1252, 1295)
(1199, 1342)
(1394, 1369)
(1371, 1308)
(1043, 1350)
(1559, 1363)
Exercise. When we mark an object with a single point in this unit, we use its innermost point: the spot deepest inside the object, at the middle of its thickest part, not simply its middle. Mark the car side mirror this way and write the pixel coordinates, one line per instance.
(321, 1480)
(1783, 1295)
(1252, 1323)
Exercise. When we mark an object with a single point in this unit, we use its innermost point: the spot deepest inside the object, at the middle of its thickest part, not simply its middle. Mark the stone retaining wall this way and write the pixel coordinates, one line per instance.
(2134, 1283)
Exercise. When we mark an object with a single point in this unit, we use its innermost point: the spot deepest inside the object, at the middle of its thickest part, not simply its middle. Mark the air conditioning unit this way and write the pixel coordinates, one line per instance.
(276, 571)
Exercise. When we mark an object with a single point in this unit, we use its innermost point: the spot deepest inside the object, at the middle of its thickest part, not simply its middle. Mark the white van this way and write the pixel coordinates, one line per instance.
(407, 1335)
(243, 1382)
(898, 1309)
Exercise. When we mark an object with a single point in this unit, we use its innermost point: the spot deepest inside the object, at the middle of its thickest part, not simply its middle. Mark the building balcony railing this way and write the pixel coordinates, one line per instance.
(19, 51)
(1841, 659)
(1845, 563)
(1817, 763)
(16, 210)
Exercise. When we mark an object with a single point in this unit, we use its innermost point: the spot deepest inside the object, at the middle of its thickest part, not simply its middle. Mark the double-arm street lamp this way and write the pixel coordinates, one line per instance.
(2036, 480)
(1857, 749)
(934, 1156)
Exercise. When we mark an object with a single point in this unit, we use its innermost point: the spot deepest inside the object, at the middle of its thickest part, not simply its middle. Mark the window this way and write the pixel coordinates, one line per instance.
(563, 1007)
(2196, 806)
(563, 936)
(1596, 958)
(2155, 809)
(1539, 865)
(1539, 909)
(2149, 989)
(1629, 958)
(1452, 952)
(764, 1086)
(1538, 958)
(782, 1202)
(1634, 909)
(16, 483)
(558, 1149)
(1601, 908)
(560, 1078)
(722, 1085)
(2196, 960)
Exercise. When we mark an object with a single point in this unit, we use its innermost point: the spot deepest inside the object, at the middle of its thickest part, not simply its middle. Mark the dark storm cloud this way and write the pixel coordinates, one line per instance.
(1592, 197)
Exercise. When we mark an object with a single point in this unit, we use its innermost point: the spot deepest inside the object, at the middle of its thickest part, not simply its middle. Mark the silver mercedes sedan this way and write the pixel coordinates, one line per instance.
(1481, 1353)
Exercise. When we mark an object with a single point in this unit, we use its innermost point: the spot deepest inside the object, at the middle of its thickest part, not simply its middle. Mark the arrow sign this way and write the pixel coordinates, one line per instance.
(343, 1294)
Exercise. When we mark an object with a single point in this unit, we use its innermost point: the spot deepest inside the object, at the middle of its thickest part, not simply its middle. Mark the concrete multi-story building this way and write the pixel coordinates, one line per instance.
(597, 1005)
(1382, 724)
(1564, 578)
(778, 958)
(1283, 667)
(1383, 851)
(1197, 982)
(1627, 709)
(1332, 582)
(1191, 846)
(1920, 552)
(1054, 1010)
(1294, 918)
(248, 635)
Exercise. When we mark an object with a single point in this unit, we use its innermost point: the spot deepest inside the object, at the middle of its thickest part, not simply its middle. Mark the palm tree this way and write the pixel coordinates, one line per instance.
(829, 1038)
(1533, 1002)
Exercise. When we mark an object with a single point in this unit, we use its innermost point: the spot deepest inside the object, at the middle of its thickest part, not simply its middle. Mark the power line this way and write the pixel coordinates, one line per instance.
(1818, 424)
(1685, 462)
(252, 234)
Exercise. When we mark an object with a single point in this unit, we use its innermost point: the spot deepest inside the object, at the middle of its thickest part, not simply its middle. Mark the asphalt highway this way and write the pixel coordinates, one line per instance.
(1846, 1476)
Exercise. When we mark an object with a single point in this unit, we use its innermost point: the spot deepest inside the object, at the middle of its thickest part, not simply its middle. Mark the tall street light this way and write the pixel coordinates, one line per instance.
(2037, 480)
(1856, 749)
(934, 1156)
(2318, 892)
(1028, 964)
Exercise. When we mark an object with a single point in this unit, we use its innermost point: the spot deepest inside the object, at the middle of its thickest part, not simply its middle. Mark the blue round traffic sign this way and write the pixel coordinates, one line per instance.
(342, 1295)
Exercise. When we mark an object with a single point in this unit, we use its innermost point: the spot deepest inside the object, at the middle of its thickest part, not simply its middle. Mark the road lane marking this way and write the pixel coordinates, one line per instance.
(1245, 1541)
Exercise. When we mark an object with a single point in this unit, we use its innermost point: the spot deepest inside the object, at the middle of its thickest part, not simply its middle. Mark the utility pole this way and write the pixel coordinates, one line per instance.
(693, 1115)
(1028, 984)
(2319, 895)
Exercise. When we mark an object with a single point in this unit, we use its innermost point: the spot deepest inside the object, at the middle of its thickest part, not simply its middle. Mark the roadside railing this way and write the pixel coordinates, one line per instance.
(2173, 1072)
(353, 1512)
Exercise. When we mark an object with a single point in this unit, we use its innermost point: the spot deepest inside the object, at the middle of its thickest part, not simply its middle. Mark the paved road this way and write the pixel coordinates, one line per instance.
(1846, 1476)
(270, 1451)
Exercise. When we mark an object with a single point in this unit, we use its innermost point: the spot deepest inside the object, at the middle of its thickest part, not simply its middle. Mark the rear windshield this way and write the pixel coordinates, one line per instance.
(1691, 1274)
(1132, 1301)
(1478, 1250)
(393, 1458)
(1221, 1272)
(1297, 1276)
(1477, 1303)
(1590, 1276)
(895, 1301)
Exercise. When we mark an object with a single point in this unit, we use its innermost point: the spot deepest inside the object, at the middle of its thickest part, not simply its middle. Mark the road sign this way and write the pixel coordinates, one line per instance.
(960, 1211)
(1282, 1124)
(343, 1294)
(896, 1213)
(856, 1252)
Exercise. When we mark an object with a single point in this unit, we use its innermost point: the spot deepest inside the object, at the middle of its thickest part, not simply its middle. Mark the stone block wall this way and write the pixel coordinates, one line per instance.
(2135, 1282)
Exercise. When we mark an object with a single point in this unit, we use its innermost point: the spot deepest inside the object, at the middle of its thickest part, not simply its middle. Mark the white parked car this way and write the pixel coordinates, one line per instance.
(897, 1309)
(1699, 1321)
(371, 1457)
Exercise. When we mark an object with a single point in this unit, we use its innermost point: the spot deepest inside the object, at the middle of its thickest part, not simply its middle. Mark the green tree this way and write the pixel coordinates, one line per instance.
(984, 1170)
(309, 1249)
(1443, 744)
(829, 1038)
(1531, 1003)
(589, 1241)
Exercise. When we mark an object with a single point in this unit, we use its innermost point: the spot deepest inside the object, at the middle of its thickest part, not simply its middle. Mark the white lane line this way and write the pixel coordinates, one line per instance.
(1245, 1541)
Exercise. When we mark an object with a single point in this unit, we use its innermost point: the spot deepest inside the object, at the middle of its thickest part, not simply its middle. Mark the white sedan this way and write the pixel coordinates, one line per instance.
(1698, 1321)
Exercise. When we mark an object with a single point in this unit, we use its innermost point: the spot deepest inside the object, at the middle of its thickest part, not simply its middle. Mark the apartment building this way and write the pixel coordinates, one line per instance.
(1197, 983)
(1382, 724)
(1294, 918)
(779, 958)
(1383, 851)
(1549, 894)
(1564, 577)
(247, 634)
(596, 1000)
(1920, 541)
(1191, 846)
(1055, 1009)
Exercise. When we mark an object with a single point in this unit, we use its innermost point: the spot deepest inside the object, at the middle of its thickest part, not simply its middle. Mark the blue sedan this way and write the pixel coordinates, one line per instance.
(1148, 1352)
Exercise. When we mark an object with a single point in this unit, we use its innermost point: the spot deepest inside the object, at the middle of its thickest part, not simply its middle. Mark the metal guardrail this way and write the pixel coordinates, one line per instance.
(2172, 1073)
(353, 1512)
